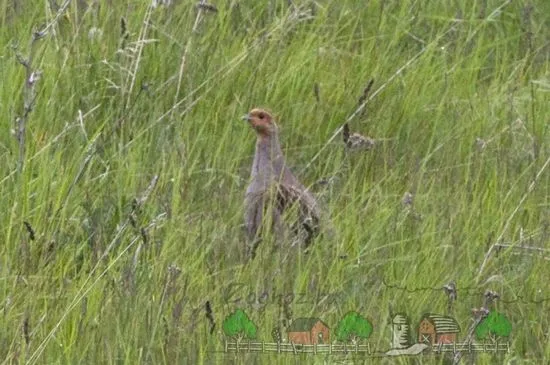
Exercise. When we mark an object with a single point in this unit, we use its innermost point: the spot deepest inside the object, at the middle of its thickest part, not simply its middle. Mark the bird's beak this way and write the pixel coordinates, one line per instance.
(246, 117)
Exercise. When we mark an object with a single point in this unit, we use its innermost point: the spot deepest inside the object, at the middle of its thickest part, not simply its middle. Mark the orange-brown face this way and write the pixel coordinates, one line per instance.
(261, 121)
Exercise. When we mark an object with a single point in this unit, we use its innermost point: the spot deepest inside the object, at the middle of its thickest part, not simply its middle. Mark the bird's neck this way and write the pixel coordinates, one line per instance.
(269, 155)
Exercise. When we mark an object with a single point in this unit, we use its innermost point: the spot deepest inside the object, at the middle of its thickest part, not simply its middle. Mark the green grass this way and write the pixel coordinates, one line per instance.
(110, 112)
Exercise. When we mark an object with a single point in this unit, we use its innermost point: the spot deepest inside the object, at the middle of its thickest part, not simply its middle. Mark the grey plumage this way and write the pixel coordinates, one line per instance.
(274, 189)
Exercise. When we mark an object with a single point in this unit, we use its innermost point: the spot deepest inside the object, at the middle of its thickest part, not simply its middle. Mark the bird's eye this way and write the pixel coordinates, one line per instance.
(262, 115)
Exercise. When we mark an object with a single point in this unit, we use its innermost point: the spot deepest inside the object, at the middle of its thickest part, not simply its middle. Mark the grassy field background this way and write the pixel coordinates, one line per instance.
(134, 162)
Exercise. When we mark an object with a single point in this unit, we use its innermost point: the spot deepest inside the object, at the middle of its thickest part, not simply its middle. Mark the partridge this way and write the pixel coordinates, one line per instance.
(274, 188)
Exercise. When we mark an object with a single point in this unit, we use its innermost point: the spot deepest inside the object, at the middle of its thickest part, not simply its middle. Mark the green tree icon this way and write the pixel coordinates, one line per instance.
(494, 326)
(238, 326)
(352, 327)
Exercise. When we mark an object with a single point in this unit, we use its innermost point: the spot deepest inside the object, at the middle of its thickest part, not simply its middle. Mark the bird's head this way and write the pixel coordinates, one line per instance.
(262, 122)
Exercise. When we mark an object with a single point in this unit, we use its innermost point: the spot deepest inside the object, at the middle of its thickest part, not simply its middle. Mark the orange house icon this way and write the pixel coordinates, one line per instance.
(308, 331)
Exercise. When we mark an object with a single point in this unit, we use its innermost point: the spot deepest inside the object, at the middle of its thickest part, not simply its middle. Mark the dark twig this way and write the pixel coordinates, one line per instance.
(346, 133)
(210, 316)
(365, 95)
(29, 230)
(317, 92)
(26, 332)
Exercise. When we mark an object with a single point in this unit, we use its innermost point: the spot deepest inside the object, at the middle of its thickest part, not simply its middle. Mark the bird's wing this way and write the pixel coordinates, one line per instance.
(290, 194)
